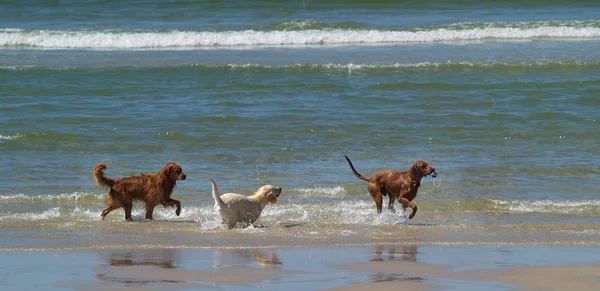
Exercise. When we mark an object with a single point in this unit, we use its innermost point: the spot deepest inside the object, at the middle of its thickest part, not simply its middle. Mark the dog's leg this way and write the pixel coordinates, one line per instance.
(149, 211)
(112, 202)
(230, 224)
(108, 210)
(406, 203)
(127, 201)
(124, 199)
(376, 194)
(173, 203)
(378, 202)
(128, 208)
(391, 203)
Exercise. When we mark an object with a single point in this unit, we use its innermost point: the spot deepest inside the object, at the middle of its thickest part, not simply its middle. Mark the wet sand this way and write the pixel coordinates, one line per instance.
(380, 267)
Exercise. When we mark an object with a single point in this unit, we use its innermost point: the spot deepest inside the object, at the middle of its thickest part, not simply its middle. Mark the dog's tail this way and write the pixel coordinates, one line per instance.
(355, 172)
(215, 193)
(99, 176)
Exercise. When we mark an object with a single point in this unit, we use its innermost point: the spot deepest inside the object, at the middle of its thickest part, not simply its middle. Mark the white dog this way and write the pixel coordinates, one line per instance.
(235, 208)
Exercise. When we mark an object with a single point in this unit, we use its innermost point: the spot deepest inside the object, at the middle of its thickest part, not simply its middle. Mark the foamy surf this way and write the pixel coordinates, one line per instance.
(10, 137)
(66, 198)
(549, 206)
(299, 67)
(176, 39)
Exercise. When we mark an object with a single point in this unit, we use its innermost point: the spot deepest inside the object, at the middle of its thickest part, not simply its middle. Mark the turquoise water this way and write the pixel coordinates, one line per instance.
(501, 98)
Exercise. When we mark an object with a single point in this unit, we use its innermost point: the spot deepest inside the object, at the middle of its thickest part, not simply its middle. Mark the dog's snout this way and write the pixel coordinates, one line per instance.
(183, 176)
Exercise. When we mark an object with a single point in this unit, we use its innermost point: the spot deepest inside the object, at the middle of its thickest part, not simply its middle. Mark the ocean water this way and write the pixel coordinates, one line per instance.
(501, 97)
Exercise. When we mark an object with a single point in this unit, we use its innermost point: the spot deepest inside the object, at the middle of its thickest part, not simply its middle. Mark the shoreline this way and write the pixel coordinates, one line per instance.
(297, 246)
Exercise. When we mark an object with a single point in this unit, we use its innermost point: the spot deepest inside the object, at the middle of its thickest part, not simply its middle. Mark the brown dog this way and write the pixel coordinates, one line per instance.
(398, 185)
(152, 189)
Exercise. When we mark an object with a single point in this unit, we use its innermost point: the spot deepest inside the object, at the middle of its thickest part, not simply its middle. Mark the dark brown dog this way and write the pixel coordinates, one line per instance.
(152, 189)
(398, 185)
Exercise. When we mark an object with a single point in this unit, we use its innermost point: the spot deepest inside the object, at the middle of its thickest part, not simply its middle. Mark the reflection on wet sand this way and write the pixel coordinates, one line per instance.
(388, 277)
(158, 269)
(164, 258)
(394, 253)
(246, 257)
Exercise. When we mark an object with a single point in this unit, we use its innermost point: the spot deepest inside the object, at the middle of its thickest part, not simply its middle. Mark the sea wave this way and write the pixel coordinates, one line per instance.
(326, 67)
(10, 136)
(75, 197)
(47, 214)
(299, 210)
(350, 212)
(320, 191)
(483, 204)
(460, 32)
(549, 206)
(310, 24)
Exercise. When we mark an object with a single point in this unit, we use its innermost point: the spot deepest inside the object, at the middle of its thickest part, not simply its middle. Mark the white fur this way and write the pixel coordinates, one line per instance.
(234, 208)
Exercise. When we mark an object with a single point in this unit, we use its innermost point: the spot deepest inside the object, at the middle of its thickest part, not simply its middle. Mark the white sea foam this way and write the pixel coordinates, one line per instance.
(64, 197)
(548, 206)
(32, 216)
(10, 137)
(299, 211)
(357, 212)
(65, 39)
(350, 67)
(321, 191)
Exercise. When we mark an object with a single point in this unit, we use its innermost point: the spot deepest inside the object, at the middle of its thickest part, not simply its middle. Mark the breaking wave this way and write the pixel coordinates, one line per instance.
(303, 34)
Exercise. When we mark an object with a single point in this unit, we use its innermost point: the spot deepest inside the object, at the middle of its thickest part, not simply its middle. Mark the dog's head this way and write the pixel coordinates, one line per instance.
(174, 171)
(270, 192)
(421, 169)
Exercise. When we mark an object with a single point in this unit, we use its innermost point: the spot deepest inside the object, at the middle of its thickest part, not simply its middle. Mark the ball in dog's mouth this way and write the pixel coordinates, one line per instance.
(273, 200)
(434, 174)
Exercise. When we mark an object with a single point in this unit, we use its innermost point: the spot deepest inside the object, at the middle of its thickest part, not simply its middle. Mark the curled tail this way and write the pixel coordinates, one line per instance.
(215, 193)
(355, 172)
(99, 176)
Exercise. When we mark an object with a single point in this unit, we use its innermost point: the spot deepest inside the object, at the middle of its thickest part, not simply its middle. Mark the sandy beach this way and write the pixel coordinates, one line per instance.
(380, 267)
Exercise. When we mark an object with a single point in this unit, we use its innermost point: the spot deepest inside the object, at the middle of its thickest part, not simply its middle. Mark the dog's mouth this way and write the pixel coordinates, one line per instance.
(277, 192)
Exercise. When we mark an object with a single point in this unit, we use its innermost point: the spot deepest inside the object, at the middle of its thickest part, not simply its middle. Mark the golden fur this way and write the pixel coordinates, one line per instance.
(235, 208)
(152, 189)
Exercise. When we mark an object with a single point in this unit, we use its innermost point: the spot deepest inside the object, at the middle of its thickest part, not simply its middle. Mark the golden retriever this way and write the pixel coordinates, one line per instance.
(152, 189)
(235, 208)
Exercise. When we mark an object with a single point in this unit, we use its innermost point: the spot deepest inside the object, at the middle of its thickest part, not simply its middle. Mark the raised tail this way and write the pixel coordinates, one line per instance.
(215, 193)
(99, 176)
(355, 172)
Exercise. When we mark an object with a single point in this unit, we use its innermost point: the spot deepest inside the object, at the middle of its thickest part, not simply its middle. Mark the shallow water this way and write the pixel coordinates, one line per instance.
(502, 102)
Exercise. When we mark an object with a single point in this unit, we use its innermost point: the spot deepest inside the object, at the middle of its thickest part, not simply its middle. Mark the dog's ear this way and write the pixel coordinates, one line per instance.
(169, 168)
(415, 170)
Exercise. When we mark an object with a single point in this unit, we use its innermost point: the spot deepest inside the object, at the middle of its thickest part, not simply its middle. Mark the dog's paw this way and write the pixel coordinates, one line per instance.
(413, 213)
(178, 211)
